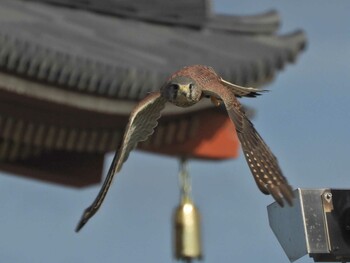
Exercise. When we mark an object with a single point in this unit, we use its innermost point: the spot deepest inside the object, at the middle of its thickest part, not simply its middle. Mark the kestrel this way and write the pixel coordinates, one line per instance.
(185, 88)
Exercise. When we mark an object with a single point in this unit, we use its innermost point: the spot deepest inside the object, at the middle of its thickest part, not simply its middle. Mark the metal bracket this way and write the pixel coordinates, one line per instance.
(317, 224)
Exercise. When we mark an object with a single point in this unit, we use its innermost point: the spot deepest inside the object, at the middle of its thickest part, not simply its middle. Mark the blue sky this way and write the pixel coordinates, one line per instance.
(304, 119)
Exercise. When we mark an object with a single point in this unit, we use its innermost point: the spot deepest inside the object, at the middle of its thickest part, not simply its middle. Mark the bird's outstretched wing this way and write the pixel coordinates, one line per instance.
(141, 125)
(262, 163)
(240, 91)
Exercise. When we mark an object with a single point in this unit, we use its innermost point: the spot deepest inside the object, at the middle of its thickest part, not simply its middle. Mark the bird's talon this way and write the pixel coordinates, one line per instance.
(215, 101)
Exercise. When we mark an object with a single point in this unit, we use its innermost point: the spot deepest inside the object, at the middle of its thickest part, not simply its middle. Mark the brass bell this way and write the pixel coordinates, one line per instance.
(187, 236)
(187, 231)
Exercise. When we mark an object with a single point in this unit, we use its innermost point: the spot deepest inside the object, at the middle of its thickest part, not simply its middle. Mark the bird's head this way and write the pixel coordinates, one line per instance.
(182, 91)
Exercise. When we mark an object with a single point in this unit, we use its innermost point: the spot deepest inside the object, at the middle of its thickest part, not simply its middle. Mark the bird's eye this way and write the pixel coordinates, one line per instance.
(191, 86)
(174, 86)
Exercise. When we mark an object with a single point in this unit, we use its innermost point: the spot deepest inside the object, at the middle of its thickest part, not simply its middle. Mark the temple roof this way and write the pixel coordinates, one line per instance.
(71, 71)
(124, 58)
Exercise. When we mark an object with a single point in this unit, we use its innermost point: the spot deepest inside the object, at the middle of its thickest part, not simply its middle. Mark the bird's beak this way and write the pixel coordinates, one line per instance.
(183, 89)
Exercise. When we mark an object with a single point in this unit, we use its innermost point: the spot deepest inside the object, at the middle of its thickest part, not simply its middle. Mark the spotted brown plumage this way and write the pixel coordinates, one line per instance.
(141, 124)
(185, 88)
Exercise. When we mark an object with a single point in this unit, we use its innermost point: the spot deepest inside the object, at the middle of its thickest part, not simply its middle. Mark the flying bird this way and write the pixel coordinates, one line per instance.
(185, 88)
